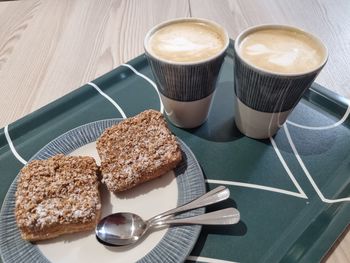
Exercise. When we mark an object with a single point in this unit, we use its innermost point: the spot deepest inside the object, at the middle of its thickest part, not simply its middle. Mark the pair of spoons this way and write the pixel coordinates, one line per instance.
(125, 228)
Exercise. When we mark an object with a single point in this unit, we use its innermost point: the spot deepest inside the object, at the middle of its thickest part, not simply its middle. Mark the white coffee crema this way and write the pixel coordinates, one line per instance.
(282, 51)
(186, 41)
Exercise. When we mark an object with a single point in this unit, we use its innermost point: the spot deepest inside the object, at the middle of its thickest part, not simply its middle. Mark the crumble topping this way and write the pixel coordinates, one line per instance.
(134, 147)
(60, 190)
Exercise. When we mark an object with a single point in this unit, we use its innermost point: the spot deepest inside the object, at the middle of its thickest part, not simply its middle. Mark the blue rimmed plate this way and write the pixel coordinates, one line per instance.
(183, 184)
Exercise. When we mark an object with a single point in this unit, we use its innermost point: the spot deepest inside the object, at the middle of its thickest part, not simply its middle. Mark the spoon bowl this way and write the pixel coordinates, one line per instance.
(121, 229)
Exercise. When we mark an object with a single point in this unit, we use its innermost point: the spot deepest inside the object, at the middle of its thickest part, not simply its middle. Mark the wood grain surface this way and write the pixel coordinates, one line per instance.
(49, 48)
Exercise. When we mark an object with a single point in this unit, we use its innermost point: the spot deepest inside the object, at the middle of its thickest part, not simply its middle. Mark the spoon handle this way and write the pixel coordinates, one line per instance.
(214, 196)
(226, 216)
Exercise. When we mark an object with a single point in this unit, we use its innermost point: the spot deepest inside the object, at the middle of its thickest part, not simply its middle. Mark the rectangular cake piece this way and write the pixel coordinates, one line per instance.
(57, 196)
(137, 150)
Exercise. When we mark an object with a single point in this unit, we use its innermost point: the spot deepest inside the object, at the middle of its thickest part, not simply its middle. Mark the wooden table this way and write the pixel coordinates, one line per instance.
(49, 48)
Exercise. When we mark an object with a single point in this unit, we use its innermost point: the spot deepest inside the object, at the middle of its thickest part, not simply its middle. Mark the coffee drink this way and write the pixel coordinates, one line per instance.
(282, 51)
(274, 66)
(185, 56)
(186, 41)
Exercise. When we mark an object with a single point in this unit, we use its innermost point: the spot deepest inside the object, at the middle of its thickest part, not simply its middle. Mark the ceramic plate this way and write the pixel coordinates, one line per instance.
(183, 184)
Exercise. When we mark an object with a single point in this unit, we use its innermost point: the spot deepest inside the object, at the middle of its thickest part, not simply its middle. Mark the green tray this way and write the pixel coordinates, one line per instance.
(292, 190)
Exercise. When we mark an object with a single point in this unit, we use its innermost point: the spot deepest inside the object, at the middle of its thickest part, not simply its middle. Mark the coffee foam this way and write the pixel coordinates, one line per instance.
(282, 51)
(186, 41)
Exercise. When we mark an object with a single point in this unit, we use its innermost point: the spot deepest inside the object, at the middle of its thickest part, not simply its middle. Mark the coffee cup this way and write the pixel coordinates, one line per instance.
(274, 66)
(185, 56)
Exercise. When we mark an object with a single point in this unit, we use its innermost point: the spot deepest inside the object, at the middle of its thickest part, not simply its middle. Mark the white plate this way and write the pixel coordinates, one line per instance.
(168, 245)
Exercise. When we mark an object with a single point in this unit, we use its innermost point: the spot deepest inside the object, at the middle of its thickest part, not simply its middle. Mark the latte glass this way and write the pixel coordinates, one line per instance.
(267, 88)
(185, 77)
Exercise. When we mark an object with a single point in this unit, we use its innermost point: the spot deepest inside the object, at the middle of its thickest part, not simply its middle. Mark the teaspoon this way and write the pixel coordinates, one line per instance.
(125, 228)
(122, 229)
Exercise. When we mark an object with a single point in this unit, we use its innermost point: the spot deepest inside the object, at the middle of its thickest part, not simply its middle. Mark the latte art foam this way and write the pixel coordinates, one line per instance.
(186, 42)
(282, 51)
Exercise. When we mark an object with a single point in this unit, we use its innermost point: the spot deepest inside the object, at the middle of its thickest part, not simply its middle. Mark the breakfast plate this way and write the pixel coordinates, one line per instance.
(174, 244)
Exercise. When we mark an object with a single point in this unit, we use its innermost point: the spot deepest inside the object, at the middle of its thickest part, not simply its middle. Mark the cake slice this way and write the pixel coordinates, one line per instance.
(57, 196)
(137, 150)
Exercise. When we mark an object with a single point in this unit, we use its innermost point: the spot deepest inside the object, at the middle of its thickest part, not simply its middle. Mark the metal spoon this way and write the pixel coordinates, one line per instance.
(108, 224)
(118, 225)
(126, 228)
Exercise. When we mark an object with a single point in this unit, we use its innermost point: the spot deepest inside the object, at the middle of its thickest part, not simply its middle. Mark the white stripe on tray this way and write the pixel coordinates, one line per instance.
(12, 147)
(256, 186)
(285, 166)
(300, 194)
(346, 115)
(108, 98)
(308, 175)
(208, 260)
(149, 80)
